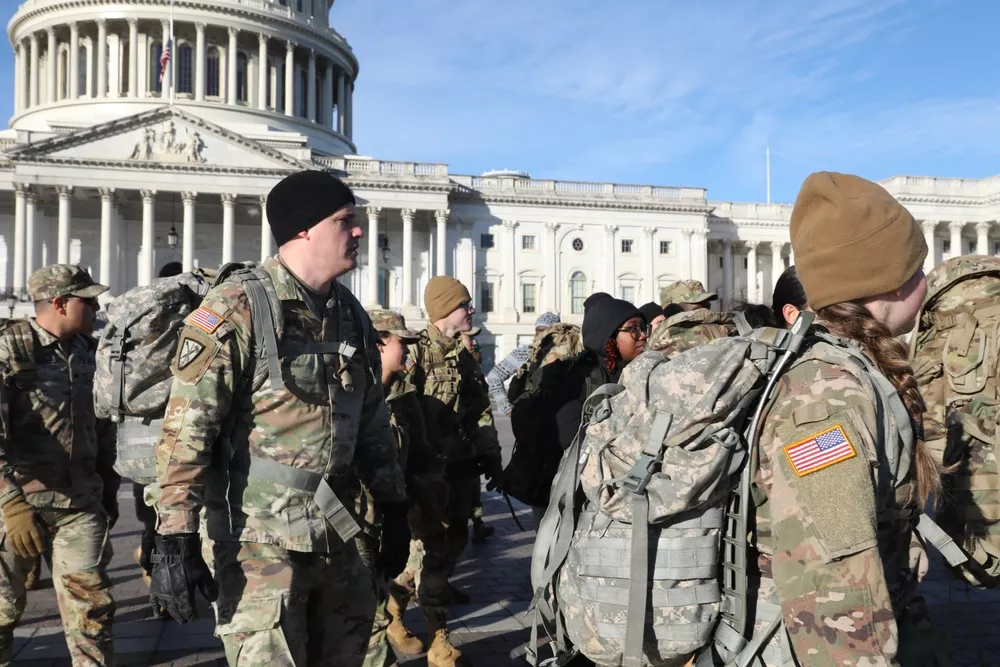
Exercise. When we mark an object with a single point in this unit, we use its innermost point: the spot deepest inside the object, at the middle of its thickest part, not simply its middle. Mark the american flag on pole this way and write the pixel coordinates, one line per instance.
(165, 59)
(819, 451)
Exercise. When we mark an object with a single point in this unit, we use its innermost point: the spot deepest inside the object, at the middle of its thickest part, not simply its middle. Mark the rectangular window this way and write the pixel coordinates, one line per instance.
(527, 242)
(664, 247)
(485, 241)
(996, 247)
(626, 246)
(628, 293)
(720, 262)
(486, 297)
(528, 295)
(973, 246)
(745, 263)
(946, 246)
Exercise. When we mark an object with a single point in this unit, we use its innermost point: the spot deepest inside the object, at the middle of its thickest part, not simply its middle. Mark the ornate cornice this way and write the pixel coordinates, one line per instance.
(464, 194)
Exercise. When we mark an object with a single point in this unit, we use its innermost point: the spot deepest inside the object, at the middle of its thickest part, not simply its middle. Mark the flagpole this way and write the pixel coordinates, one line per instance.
(172, 48)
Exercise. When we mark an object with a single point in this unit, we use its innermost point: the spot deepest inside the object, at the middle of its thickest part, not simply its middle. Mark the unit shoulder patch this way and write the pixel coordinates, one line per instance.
(820, 450)
(195, 353)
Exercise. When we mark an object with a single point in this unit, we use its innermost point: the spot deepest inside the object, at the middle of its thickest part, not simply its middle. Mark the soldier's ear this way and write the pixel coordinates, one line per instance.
(59, 303)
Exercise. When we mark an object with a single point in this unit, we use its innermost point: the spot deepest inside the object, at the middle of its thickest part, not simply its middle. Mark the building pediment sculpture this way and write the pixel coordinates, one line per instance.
(163, 145)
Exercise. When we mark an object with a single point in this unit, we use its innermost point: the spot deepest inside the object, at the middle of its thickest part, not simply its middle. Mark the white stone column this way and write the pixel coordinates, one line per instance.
(65, 211)
(552, 283)
(228, 226)
(74, 60)
(133, 57)
(441, 265)
(107, 235)
(328, 97)
(648, 269)
(266, 238)
(231, 53)
(33, 70)
(18, 281)
(29, 235)
(699, 256)
(956, 227)
(189, 199)
(777, 266)
(263, 72)
(727, 274)
(289, 79)
(102, 58)
(52, 56)
(18, 78)
(983, 238)
(509, 252)
(609, 262)
(148, 236)
(349, 125)
(311, 88)
(341, 103)
(372, 212)
(21, 95)
(200, 82)
(929, 226)
(687, 252)
(407, 215)
(753, 288)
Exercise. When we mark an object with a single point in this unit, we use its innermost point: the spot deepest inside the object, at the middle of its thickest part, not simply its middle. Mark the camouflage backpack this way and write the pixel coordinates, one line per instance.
(641, 557)
(954, 352)
(561, 341)
(136, 350)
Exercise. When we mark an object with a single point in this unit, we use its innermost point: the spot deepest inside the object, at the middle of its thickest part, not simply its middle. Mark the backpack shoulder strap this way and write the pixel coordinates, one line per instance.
(265, 312)
(363, 328)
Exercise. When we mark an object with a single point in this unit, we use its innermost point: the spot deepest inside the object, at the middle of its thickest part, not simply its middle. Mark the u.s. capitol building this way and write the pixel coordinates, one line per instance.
(106, 165)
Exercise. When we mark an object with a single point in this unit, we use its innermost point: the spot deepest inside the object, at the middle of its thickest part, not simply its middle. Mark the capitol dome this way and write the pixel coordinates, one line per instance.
(257, 67)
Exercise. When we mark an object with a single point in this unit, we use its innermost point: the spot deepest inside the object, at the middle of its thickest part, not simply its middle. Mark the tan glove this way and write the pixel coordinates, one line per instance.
(25, 534)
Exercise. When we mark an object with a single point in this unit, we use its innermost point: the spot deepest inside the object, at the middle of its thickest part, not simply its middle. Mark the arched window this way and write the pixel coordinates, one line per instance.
(185, 77)
(81, 76)
(241, 76)
(155, 51)
(212, 72)
(577, 292)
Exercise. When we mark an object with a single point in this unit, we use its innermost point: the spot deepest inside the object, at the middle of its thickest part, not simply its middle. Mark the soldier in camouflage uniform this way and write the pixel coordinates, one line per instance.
(695, 325)
(833, 530)
(458, 416)
(427, 490)
(58, 488)
(267, 444)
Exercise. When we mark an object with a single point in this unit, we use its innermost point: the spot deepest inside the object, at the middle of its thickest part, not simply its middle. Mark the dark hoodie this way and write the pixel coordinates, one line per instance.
(603, 316)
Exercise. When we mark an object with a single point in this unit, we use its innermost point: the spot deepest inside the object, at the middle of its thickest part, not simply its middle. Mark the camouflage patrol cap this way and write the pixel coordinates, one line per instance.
(55, 280)
(390, 322)
(685, 291)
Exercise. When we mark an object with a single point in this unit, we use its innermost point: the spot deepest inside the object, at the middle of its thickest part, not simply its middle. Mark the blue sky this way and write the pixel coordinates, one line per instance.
(677, 93)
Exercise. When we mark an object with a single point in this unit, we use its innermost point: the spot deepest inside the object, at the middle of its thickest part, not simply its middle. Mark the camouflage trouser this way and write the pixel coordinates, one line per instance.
(147, 515)
(426, 572)
(78, 554)
(459, 510)
(379, 654)
(280, 608)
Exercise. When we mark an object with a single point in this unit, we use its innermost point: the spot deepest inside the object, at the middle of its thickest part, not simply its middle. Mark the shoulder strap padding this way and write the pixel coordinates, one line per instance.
(265, 313)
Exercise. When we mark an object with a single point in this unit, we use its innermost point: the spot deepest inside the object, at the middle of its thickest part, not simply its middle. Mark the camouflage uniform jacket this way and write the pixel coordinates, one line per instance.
(416, 456)
(52, 446)
(834, 545)
(454, 398)
(329, 417)
(690, 329)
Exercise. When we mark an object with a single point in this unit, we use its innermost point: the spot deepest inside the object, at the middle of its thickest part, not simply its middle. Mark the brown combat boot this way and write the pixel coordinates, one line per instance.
(400, 637)
(34, 578)
(442, 652)
(137, 555)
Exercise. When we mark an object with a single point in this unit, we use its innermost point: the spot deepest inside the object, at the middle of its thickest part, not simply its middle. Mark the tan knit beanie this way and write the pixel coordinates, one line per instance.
(442, 296)
(852, 240)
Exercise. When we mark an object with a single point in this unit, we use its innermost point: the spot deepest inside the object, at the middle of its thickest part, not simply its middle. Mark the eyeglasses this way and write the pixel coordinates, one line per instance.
(637, 331)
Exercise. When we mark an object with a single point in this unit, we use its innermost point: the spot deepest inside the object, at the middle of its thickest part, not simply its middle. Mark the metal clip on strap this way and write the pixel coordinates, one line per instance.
(312, 482)
(934, 534)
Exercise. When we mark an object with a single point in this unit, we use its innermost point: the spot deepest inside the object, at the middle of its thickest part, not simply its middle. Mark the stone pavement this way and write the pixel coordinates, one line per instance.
(491, 632)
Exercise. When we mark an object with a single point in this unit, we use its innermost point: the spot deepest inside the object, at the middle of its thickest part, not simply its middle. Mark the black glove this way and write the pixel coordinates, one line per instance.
(493, 472)
(395, 547)
(110, 503)
(178, 569)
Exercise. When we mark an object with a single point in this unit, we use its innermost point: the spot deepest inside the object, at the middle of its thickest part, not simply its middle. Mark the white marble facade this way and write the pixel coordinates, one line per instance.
(124, 174)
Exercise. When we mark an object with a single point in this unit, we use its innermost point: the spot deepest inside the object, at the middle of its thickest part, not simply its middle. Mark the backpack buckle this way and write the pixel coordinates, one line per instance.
(641, 474)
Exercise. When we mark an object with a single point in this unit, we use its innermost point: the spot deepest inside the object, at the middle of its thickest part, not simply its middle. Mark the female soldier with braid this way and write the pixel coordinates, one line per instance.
(838, 489)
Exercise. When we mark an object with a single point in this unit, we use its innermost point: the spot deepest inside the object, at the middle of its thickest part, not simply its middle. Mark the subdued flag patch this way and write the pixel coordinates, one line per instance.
(205, 319)
(820, 451)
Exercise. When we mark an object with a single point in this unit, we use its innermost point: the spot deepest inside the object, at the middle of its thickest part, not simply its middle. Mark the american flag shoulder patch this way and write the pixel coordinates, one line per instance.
(205, 319)
(819, 451)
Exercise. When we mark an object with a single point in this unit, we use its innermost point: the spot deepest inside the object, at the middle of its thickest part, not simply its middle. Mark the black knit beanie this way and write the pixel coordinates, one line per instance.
(603, 315)
(650, 311)
(303, 199)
